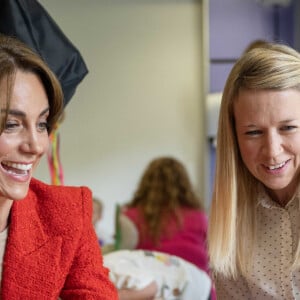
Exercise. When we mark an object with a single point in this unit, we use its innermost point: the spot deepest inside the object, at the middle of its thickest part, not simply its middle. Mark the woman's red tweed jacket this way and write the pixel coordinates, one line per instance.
(52, 250)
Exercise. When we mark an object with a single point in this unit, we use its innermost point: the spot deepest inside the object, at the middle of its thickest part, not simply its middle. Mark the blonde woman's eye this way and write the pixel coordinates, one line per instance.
(253, 132)
(288, 127)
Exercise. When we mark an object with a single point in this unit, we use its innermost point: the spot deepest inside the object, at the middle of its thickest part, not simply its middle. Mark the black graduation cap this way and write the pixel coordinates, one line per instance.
(30, 22)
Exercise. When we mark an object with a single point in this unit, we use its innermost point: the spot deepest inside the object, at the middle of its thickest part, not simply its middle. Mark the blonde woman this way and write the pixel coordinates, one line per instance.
(255, 218)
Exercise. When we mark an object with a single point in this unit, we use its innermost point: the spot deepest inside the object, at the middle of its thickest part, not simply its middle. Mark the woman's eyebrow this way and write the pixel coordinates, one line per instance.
(20, 113)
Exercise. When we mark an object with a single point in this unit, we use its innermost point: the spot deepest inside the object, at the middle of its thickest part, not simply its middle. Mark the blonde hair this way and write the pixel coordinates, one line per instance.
(164, 188)
(231, 232)
(256, 44)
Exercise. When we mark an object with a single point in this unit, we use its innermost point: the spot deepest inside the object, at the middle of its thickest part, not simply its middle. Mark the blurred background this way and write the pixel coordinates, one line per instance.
(156, 73)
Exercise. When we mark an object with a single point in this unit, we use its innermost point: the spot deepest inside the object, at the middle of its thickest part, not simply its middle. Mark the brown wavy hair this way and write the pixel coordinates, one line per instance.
(15, 56)
(163, 190)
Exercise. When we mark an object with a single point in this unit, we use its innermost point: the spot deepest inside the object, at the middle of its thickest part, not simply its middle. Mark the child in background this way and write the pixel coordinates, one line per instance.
(168, 215)
(96, 218)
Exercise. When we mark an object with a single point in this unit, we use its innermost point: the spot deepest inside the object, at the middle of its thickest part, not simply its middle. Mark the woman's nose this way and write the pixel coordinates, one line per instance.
(33, 142)
(272, 145)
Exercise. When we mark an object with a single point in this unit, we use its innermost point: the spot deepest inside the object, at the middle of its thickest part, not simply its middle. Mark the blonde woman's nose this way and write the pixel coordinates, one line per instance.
(272, 144)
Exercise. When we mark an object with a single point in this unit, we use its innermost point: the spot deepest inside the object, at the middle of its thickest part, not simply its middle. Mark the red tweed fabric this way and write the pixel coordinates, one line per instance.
(52, 250)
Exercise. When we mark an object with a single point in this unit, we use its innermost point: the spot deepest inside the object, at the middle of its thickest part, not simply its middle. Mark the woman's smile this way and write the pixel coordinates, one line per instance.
(24, 139)
(268, 131)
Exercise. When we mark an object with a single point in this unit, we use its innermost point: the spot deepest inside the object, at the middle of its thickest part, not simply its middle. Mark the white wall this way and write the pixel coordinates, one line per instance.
(142, 98)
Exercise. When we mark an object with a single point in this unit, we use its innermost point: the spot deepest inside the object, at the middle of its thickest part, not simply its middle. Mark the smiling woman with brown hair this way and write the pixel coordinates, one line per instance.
(48, 247)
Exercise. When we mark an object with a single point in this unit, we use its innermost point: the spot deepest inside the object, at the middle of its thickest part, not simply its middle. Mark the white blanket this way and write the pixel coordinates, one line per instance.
(176, 278)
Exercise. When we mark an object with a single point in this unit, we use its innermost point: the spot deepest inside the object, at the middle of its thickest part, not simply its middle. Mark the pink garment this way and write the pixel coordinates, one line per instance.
(188, 242)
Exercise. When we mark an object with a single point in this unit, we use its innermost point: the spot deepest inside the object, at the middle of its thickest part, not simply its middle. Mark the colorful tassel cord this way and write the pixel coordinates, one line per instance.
(54, 163)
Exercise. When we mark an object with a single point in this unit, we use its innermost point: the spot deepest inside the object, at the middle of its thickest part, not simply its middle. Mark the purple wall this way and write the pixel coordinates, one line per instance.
(234, 24)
